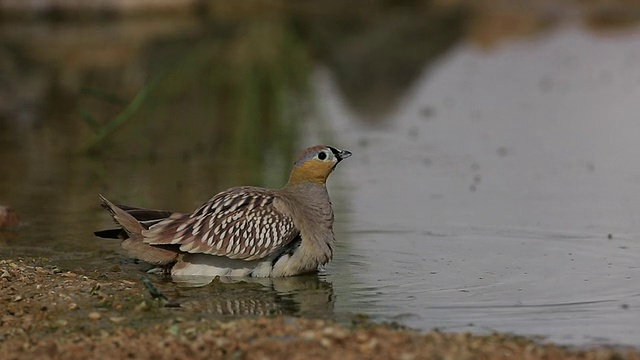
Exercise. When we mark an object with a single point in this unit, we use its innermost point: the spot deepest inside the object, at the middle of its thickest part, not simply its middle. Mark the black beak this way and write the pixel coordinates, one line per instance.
(340, 154)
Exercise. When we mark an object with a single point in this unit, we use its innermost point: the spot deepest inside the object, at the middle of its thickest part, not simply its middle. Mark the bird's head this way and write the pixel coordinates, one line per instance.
(316, 163)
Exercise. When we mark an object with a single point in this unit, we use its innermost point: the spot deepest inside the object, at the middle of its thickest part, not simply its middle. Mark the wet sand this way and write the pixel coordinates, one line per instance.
(50, 313)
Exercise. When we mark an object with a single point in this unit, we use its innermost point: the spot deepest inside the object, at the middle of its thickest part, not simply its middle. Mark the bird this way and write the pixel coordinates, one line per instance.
(244, 231)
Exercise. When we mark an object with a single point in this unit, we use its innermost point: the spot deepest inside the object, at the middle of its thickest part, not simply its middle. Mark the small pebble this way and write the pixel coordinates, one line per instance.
(308, 335)
(143, 306)
(191, 331)
(362, 336)
(94, 316)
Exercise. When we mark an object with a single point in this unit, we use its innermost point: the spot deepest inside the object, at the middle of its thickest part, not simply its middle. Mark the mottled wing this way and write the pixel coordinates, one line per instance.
(240, 223)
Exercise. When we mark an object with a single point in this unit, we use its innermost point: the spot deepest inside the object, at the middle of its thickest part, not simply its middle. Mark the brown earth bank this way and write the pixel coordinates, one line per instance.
(46, 313)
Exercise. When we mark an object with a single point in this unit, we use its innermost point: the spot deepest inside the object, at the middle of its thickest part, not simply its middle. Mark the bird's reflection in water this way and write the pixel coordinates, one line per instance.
(307, 295)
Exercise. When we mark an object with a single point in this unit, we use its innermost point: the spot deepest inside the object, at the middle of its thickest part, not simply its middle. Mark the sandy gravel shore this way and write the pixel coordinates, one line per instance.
(47, 313)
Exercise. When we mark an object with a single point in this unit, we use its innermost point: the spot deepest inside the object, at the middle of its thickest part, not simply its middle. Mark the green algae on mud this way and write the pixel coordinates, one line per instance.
(50, 313)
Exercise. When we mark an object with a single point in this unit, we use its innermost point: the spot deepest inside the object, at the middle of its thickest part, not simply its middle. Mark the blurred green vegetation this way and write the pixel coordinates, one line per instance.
(142, 108)
(236, 99)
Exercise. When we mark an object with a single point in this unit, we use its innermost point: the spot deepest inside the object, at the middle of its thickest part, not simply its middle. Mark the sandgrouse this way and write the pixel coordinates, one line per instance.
(243, 231)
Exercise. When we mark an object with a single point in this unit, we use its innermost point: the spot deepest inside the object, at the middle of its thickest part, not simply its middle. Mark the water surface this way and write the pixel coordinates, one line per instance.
(490, 190)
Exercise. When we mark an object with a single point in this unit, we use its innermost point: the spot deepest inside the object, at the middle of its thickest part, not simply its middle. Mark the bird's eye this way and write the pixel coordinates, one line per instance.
(322, 155)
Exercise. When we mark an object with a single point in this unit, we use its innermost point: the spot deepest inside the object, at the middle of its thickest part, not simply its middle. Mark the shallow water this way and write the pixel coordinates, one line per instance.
(494, 213)
(496, 191)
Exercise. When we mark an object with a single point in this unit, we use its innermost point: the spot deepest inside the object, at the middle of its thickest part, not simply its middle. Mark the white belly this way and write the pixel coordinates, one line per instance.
(201, 269)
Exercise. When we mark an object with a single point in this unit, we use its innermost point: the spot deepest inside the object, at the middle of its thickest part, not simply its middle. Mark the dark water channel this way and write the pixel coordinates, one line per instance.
(491, 188)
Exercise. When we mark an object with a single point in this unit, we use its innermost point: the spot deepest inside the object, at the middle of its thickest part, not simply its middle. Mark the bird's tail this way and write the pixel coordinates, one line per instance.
(133, 221)
(123, 214)
(129, 223)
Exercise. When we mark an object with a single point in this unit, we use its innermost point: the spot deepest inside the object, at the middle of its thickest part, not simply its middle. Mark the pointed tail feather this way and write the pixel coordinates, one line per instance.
(131, 233)
(123, 218)
(118, 233)
(146, 217)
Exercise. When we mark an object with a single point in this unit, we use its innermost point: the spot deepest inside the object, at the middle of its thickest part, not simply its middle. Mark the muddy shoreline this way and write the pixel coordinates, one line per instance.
(51, 313)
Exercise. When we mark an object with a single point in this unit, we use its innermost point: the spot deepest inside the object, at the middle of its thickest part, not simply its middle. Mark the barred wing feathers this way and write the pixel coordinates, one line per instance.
(240, 223)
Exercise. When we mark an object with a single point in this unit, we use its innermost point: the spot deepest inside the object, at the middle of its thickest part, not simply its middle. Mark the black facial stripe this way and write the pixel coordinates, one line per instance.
(335, 151)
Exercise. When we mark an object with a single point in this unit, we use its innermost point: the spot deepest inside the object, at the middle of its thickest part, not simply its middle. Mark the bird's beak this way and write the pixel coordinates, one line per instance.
(343, 154)
(339, 154)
